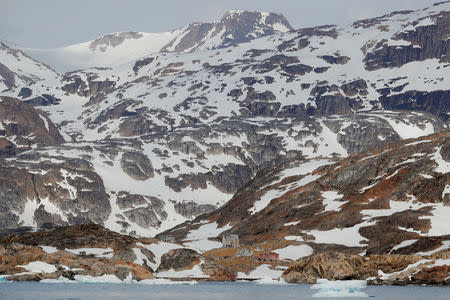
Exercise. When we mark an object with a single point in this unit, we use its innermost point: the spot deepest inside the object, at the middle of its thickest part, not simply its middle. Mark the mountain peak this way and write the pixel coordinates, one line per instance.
(113, 40)
(235, 27)
(275, 21)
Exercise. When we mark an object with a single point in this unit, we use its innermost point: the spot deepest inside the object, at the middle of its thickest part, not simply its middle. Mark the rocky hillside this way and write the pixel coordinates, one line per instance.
(116, 48)
(149, 184)
(152, 143)
(389, 200)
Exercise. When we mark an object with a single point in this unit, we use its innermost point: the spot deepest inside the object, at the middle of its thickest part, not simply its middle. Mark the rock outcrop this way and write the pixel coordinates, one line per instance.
(376, 269)
(179, 260)
(23, 128)
(70, 252)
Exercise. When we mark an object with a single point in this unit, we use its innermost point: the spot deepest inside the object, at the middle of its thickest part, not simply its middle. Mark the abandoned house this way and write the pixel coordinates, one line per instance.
(230, 241)
(268, 256)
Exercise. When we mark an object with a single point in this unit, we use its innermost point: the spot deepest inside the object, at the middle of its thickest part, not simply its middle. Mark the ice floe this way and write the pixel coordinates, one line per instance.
(336, 289)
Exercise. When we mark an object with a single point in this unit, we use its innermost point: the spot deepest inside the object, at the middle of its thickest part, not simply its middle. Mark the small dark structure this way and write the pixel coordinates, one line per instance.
(167, 238)
(230, 241)
(269, 256)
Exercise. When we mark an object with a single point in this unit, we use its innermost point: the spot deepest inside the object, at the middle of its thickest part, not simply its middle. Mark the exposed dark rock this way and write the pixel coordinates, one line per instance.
(141, 63)
(149, 211)
(298, 69)
(274, 62)
(341, 60)
(8, 76)
(437, 102)
(268, 109)
(427, 42)
(43, 100)
(137, 165)
(113, 40)
(332, 105)
(353, 88)
(191, 209)
(25, 93)
(179, 260)
(320, 69)
(264, 96)
(26, 126)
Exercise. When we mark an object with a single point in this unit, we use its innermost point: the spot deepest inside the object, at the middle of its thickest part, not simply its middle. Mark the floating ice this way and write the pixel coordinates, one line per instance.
(348, 288)
(261, 272)
(107, 278)
(61, 279)
(161, 281)
(110, 278)
(269, 281)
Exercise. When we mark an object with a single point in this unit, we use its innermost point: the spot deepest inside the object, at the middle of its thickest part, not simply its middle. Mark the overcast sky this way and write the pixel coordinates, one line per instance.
(56, 23)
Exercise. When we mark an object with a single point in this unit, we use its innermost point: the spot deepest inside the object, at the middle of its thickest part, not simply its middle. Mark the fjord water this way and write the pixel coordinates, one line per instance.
(201, 291)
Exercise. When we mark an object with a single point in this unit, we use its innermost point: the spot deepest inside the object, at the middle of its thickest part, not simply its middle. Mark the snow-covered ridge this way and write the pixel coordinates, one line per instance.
(103, 52)
(117, 48)
(18, 69)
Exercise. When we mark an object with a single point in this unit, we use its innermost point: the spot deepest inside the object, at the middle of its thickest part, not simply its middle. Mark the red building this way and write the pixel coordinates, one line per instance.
(268, 256)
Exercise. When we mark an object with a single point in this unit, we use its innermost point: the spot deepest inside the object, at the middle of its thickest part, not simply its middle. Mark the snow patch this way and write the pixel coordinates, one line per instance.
(199, 238)
(403, 244)
(349, 237)
(39, 267)
(195, 272)
(98, 252)
(443, 166)
(294, 252)
(262, 271)
(331, 201)
(49, 249)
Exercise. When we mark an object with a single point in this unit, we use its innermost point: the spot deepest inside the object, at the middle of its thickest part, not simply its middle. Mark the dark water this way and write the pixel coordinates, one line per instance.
(229, 291)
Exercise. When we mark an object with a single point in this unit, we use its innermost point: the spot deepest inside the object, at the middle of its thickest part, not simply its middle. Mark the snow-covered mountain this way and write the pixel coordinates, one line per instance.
(18, 69)
(159, 140)
(116, 48)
